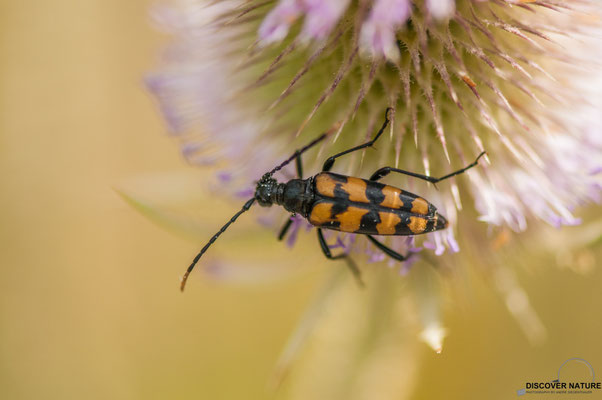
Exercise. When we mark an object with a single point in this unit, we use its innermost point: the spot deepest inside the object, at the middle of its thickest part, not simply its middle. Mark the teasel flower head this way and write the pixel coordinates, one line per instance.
(245, 83)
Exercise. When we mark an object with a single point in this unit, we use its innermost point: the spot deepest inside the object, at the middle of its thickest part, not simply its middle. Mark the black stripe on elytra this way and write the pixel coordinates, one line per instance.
(340, 194)
(402, 228)
(432, 209)
(430, 225)
(341, 201)
(374, 192)
(337, 177)
(407, 199)
(369, 221)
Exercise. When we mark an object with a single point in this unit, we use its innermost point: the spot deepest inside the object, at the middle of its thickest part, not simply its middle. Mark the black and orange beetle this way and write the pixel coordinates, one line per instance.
(346, 204)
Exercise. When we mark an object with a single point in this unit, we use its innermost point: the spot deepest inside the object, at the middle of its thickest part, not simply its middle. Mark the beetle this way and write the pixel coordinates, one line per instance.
(345, 203)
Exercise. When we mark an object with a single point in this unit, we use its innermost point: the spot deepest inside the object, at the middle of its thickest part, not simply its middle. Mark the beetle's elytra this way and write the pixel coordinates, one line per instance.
(346, 204)
(357, 205)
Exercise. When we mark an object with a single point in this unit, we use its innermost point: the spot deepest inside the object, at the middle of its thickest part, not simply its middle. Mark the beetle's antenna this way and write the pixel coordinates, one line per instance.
(244, 208)
(303, 149)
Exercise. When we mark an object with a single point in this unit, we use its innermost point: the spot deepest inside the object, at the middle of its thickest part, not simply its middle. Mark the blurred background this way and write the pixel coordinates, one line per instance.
(89, 299)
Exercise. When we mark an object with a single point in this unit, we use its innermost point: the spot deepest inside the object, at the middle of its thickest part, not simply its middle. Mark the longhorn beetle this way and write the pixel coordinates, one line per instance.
(346, 204)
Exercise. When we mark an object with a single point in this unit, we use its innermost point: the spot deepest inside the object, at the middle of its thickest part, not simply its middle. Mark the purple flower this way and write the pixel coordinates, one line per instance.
(320, 18)
(441, 9)
(378, 34)
(277, 23)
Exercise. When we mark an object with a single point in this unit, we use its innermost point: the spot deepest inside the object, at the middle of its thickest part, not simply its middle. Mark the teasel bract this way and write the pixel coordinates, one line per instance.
(245, 83)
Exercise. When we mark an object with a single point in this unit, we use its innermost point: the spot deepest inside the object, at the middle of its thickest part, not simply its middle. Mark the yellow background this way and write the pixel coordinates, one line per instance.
(89, 306)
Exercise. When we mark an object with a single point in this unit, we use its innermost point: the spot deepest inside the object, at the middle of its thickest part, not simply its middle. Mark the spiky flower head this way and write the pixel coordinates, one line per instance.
(247, 82)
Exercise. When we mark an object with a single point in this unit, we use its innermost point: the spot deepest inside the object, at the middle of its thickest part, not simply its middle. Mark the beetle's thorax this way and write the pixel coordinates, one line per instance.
(295, 195)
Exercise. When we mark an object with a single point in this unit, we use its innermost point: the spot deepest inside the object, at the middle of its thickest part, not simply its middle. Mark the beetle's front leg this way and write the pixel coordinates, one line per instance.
(299, 165)
(285, 228)
(330, 160)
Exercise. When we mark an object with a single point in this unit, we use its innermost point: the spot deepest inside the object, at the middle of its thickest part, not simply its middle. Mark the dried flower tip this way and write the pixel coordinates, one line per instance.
(433, 336)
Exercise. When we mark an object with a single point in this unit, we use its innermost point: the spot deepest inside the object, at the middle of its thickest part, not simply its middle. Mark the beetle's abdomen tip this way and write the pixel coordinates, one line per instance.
(441, 222)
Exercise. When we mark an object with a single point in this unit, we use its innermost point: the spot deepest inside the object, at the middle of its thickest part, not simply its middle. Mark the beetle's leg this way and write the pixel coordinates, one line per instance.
(299, 166)
(386, 170)
(330, 161)
(297, 153)
(352, 266)
(285, 228)
(387, 250)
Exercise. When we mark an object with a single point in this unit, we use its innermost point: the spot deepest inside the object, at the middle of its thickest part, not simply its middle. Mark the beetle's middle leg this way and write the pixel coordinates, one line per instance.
(330, 160)
(386, 170)
(352, 266)
(387, 250)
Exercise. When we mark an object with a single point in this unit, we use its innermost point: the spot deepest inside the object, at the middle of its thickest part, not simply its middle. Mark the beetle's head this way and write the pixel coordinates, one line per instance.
(265, 191)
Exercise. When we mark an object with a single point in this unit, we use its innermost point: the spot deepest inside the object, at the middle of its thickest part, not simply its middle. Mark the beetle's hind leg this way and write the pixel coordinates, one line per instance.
(387, 170)
(350, 263)
(330, 160)
(387, 250)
